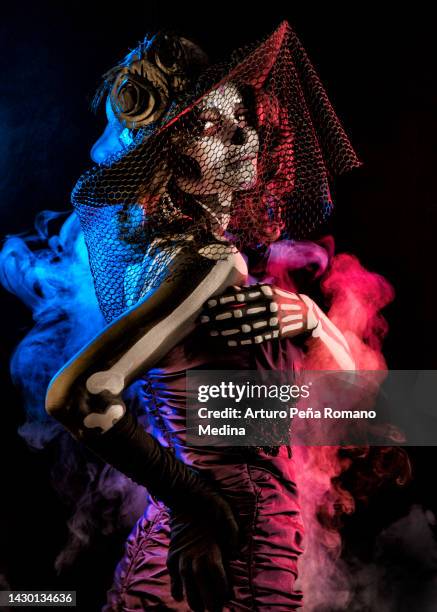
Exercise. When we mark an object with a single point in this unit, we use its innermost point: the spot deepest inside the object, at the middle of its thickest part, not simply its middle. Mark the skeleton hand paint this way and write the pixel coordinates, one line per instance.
(255, 313)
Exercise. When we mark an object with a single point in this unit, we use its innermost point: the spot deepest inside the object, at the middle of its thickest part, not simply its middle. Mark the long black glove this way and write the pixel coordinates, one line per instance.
(129, 448)
(203, 529)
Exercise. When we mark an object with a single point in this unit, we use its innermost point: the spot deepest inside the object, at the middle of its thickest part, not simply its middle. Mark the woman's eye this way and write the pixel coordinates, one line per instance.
(211, 121)
(211, 127)
(241, 115)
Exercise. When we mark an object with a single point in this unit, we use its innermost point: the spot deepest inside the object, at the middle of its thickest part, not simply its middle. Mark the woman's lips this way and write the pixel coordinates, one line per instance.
(240, 160)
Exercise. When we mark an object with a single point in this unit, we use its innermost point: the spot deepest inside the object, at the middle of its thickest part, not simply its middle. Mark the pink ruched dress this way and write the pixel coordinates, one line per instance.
(260, 487)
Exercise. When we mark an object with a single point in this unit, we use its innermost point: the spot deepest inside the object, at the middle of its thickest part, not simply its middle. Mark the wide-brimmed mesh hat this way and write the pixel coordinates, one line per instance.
(241, 151)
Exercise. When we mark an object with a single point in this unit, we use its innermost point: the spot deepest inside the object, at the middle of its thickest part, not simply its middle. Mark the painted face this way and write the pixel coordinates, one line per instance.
(223, 157)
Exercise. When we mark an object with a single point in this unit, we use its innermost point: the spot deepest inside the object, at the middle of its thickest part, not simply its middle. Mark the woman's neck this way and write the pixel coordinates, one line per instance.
(218, 207)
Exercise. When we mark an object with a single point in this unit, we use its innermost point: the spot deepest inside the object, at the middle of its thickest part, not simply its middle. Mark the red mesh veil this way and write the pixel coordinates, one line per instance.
(239, 152)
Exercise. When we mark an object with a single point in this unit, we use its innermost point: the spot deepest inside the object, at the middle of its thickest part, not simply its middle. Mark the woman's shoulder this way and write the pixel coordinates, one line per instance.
(292, 264)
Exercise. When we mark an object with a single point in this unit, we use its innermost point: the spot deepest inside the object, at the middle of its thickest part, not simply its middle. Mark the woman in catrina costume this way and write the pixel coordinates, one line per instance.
(204, 174)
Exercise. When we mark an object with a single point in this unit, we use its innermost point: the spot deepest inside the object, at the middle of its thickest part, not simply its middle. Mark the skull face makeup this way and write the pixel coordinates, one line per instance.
(223, 158)
(216, 156)
(219, 159)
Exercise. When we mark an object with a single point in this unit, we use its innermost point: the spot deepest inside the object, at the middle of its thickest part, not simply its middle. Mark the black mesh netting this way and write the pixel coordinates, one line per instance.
(238, 152)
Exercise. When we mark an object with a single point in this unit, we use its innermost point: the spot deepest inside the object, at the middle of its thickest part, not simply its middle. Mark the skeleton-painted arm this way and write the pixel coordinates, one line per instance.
(256, 313)
(86, 394)
(86, 398)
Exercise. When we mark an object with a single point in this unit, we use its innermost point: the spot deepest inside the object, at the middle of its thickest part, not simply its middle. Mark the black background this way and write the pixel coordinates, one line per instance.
(378, 70)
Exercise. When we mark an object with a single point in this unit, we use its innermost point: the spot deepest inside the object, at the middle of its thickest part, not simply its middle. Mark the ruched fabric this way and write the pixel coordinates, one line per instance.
(260, 487)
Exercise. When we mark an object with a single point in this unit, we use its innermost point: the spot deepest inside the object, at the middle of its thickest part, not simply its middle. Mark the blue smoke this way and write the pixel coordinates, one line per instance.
(51, 275)
(49, 271)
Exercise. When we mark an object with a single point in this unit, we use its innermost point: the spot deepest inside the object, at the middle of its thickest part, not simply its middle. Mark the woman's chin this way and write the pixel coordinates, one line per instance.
(249, 177)
(248, 183)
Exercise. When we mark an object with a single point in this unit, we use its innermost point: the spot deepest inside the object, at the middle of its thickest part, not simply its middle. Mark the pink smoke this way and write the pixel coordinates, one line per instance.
(355, 297)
